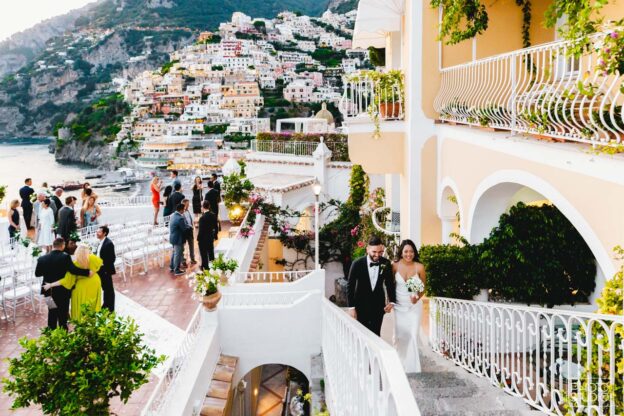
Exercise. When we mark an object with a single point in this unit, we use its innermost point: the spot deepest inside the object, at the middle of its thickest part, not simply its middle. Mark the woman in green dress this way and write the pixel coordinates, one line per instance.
(87, 290)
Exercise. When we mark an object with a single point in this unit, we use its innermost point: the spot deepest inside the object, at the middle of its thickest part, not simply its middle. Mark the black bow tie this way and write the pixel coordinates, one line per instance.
(374, 264)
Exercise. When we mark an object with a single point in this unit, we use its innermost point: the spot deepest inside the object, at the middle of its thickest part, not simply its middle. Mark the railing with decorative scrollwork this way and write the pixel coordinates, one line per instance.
(540, 90)
(538, 354)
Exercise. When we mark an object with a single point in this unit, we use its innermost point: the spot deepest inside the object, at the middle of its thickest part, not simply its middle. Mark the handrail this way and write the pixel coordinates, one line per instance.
(271, 277)
(123, 201)
(364, 375)
(362, 96)
(538, 354)
(539, 90)
(379, 227)
(161, 394)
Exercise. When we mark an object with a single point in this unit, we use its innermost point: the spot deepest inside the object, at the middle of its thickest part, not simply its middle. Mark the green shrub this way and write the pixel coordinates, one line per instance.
(78, 372)
(535, 255)
(452, 271)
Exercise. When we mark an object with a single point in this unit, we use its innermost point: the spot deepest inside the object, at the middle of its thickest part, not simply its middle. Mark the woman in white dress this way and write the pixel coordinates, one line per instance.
(408, 310)
(45, 231)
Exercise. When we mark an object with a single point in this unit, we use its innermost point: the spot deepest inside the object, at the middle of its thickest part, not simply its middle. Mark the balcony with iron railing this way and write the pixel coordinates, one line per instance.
(373, 107)
(542, 90)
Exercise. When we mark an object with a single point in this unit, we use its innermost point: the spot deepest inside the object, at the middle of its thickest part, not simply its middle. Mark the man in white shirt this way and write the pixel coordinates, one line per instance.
(371, 288)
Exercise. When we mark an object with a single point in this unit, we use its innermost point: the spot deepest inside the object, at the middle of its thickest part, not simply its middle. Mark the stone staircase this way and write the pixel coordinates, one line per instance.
(442, 388)
(218, 401)
(255, 262)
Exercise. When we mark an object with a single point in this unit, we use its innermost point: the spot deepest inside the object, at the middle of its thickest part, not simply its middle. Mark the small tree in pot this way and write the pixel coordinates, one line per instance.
(77, 373)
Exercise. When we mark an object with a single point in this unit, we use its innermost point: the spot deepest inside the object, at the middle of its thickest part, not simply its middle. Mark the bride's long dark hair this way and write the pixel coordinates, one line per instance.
(404, 243)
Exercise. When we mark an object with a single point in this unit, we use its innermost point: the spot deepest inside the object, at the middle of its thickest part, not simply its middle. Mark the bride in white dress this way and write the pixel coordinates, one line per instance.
(408, 309)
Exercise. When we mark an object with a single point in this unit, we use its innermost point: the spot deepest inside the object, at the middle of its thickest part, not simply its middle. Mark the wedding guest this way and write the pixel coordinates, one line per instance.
(168, 209)
(84, 291)
(25, 192)
(37, 207)
(206, 235)
(53, 267)
(155, 189)
(106, 251)
(90, 212)
(215, 183)
(189, 232)
(67, 219)
(198, 196)
(14, 218)
(45, 230)
(177, 231)
(87, 191)
(212, 196)
(56, 198)
(177, 196)
(175, 180)
(45, 189)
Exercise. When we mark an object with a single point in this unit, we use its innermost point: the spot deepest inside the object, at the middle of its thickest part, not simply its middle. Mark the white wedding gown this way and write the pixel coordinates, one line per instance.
(407, 318)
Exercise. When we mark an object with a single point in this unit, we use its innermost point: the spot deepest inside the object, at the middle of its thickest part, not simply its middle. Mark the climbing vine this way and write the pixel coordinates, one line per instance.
(461, 19)
(525, 6)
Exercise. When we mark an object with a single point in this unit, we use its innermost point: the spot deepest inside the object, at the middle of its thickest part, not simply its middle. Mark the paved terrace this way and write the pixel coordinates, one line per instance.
(158, 292)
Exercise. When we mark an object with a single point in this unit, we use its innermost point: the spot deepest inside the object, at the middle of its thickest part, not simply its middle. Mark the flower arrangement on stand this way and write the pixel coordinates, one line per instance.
(225, 267)
(205, 284)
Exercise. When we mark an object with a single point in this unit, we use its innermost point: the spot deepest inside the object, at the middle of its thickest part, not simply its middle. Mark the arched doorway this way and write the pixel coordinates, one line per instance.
(449, 211)
(500, 191)
(268, 390)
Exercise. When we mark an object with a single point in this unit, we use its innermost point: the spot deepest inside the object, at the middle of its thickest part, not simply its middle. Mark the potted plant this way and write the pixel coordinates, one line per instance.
(2, 193)
(225, 267)
(206, 285)
(78, 372)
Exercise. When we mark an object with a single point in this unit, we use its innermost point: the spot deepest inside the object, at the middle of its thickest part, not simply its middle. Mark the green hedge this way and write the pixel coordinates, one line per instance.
(452, 271)
(534, 256)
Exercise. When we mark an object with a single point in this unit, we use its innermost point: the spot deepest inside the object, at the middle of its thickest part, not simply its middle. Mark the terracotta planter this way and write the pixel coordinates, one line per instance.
(389, 110)
(210, 301)
(224, 279)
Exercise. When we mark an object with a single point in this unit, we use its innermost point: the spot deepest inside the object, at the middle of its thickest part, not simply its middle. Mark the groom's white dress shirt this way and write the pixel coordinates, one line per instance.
(373, 272)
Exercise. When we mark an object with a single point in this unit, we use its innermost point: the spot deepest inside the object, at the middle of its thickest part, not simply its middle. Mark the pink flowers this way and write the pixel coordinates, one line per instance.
(614, 35)
(360, 244)
(355, 230)
(257, 211)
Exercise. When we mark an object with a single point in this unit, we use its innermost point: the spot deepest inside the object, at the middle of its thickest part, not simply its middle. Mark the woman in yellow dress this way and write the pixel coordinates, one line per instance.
(87, 290)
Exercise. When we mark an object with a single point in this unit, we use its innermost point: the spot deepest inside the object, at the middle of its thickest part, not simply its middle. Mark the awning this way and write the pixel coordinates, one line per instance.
(375, 19)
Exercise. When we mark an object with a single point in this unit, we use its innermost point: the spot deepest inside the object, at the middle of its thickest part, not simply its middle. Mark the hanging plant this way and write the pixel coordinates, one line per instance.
(461, 19)
(525, 5)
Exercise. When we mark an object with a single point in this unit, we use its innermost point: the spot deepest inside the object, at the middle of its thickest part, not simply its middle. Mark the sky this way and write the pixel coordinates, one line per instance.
(18, 15)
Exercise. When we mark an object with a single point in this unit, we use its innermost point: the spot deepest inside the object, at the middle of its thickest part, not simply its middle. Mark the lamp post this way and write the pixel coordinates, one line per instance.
(316, 188)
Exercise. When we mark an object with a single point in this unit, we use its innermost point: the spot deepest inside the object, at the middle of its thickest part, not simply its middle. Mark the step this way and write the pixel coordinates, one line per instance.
(219, 389)
(228, 360)
(224, 373)
(213, 407)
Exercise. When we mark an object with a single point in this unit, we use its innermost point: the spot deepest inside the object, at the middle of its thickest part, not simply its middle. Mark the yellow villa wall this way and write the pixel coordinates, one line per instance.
(586, 194)
(431, 229)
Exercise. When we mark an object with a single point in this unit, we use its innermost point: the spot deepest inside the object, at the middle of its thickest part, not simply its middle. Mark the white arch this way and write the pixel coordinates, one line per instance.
(449, 183)
(248, 365)
(522, 178)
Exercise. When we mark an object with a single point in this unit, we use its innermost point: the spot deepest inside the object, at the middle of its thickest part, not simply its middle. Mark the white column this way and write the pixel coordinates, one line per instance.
(322, 156)
(393, 50)
(418, 127)
(392, 187)
(448, 224)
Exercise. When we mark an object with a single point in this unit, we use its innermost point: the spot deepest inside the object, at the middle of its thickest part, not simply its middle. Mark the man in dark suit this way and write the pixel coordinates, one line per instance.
(52, 267)
(215, 183)
(177, 232)
(56, 198)
(106, 251)
(27, 207)
(67, 219)
(206, 235)
(177, 196)
(212, 196)
(365, 287)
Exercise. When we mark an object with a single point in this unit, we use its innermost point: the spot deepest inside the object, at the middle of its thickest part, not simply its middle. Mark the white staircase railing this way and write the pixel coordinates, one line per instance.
(387, 221)
(162, 393)
(364, 375)
(537, 90)
(271, 277)
(535, 353)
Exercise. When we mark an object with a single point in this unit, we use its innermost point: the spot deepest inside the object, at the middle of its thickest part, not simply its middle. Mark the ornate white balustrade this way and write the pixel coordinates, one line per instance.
(271, 277)
(539, 90)
(162, 394)
(537, 354)
(364, 375)
(387, 221)
(294, 148)
(125, 201)
(365, 96)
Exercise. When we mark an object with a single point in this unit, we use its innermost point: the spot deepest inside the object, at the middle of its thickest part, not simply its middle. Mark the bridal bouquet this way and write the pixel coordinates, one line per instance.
(415, 285)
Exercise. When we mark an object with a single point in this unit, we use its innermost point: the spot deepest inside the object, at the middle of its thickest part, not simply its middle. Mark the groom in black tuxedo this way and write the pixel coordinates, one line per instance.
(365, 288)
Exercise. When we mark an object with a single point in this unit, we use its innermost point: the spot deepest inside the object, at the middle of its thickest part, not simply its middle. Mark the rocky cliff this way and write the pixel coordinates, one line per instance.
(92, 152)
